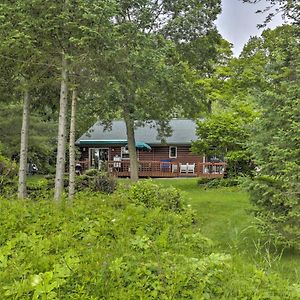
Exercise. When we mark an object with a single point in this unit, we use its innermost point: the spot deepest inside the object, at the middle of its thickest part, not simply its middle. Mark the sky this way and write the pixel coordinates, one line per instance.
(238, 22)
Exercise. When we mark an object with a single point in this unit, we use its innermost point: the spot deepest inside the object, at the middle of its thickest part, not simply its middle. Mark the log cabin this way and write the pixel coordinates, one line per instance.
(103, 148)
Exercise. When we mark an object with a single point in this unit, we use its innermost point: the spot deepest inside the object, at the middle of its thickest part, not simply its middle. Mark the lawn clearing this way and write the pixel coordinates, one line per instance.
(223, 217)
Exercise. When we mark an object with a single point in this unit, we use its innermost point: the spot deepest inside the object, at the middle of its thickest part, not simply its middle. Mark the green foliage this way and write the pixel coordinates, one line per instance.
(275, 191)
(8, 176)
(95, 249)
(92, 180)
(152, 195)
(42, 135)
(277, 210)
(288, 8)
(96, 181)
(38, 189)
(219, 182)
(227, 133)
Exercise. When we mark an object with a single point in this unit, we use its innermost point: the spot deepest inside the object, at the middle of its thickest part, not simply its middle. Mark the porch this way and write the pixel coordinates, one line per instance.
(164, 168)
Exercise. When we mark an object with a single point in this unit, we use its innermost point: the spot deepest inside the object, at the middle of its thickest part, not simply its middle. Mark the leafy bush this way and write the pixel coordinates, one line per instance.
(152, 196)
(277, 209)
(39, 189)
(91, 172)
(276, 139)
(275, 191)
(204, 181)
(226, 132)
(101, 248)
(92, 180)
(96, 181)
(8, 179)
(219, 182)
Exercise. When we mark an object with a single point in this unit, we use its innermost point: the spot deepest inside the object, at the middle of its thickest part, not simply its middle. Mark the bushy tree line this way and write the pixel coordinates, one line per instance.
(275, 191)
(255, 122)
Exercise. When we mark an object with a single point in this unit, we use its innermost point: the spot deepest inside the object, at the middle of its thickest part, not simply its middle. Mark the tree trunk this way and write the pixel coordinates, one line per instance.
(134, 176)
(72, 146)
(61, 138)
(22, 190)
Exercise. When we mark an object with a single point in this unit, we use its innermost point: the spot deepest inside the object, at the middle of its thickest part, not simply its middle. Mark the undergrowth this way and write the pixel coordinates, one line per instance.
(120, 246)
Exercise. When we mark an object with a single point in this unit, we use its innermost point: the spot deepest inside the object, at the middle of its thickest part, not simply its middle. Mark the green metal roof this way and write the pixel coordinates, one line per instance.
(183, 133)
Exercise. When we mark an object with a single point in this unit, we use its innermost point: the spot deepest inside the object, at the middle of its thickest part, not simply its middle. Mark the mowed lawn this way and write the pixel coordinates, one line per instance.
(224, 216)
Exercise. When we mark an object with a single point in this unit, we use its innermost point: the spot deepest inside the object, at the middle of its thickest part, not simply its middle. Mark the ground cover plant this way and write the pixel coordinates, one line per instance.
(225, 217)
(127, 245)
(8, 179)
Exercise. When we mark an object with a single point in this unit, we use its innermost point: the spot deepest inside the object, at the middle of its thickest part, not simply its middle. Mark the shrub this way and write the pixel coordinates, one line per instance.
(219, 182)
(92, 180)
(91, 172)
(204, 181)
(152, 195)
(277, 208)
(8, 179)
(39, 189)
(96, 181)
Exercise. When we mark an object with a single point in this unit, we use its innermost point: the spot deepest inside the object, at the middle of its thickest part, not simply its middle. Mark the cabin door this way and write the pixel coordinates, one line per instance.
(98, 158)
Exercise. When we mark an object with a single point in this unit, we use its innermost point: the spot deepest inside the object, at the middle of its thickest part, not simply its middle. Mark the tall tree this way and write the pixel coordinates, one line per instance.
(149, 80)
(62, 127)
(266, 75)
(146, 83)
(275, 192)
(65, 29)
(72, 143)
(289, 8)
(226, 133)
(22, 189)
(16, 33)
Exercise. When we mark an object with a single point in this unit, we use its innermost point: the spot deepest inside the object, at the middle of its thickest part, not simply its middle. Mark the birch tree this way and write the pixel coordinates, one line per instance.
(73, 27)
(22, 192)
(61, 138)
(72, 144)
(19, 46)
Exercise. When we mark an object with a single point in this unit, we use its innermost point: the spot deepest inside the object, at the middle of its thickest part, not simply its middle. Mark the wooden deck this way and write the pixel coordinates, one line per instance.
(161, 169)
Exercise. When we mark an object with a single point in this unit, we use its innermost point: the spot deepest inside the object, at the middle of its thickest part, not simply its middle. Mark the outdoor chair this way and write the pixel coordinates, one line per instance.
(191, 168)
(183, 168)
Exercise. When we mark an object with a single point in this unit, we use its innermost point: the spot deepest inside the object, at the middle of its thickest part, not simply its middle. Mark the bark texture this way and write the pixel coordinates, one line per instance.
(22, 188)
(132, 150)
(72, 146)
(61, 138)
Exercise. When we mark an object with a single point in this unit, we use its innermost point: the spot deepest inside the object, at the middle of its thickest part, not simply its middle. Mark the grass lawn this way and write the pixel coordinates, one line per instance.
(223, 217)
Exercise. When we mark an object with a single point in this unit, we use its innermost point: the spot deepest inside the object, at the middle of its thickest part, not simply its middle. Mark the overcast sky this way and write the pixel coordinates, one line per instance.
(238, 22)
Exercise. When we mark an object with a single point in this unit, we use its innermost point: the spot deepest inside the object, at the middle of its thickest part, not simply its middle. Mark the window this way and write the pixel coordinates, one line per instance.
(124, 153)
(173, 152)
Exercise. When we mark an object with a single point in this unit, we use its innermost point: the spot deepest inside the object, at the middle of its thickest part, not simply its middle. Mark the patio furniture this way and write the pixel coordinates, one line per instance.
(191, 168)
(183, 168)
(174, 167)
(165, 165)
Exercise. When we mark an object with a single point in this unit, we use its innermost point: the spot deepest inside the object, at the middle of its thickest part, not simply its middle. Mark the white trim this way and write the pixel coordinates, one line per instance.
(170, 152)
(103, 140)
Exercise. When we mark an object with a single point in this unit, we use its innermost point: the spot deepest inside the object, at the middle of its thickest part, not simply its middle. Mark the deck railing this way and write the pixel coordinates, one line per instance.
(168, 169)
(164, 169)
